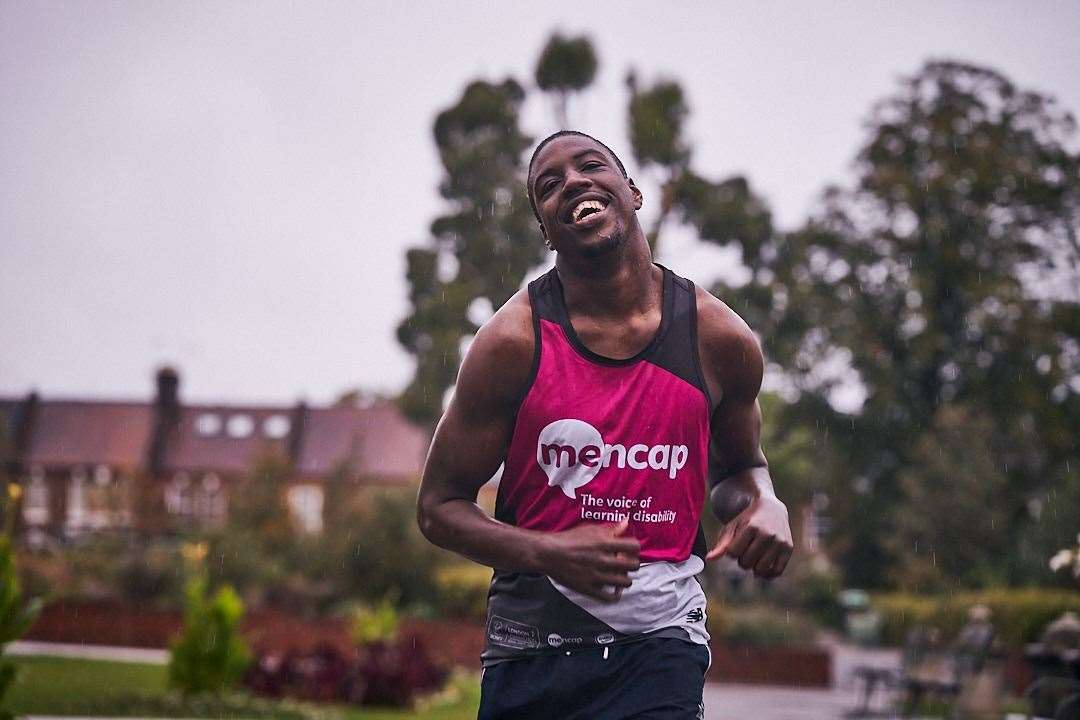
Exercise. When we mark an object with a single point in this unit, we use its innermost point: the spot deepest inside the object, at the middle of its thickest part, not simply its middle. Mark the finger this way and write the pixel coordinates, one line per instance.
(741, 541)
(766, 565)
(785, 556)
(624, 546)
(607, 593)
(758, 547)
(621, 527)
(616, 580)
(619, 562)
(722, 542)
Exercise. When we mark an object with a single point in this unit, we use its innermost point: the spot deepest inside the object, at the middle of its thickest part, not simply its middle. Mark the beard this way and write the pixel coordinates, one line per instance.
(606, 244)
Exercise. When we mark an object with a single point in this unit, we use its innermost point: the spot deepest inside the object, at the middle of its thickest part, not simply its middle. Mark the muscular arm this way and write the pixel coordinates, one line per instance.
(471, 441)
(756, 530)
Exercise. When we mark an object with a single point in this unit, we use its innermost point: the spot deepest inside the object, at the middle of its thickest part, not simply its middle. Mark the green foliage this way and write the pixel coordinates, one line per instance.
(259, 505)
(656, 117)
(16, 617)
(1018, 616)
(463, 590)
(480, 250)
(385, 555)
(759, 626)
(948, 532)
(150, 573)
(210, 656)
(947, 275)
(375, 623)
(566, 65)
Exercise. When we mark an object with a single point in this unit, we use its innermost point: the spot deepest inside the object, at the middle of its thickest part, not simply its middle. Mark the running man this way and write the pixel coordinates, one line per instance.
(617, 394)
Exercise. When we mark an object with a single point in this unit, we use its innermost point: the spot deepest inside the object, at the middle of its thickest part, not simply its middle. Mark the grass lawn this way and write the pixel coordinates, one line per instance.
(67, 686)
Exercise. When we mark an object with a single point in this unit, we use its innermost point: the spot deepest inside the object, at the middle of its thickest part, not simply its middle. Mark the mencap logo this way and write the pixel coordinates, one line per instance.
(571, 453)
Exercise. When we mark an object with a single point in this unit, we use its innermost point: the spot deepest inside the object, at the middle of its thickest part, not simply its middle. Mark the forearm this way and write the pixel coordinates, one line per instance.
(732, 493)
(461, 526)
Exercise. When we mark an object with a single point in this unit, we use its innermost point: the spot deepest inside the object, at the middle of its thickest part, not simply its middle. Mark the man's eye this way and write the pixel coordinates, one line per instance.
(546, 187)
(592, 165)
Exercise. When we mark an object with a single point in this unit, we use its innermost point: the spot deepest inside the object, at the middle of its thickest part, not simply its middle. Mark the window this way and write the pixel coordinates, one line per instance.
(240, 426)
(209, 500)
(208, 424)
(76, 500)
(276, 426)
(36, 507)
(306, 506)
(97, 499)
(178, 495)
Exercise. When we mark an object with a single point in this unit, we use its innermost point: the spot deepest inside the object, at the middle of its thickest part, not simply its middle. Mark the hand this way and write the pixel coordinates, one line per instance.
(759, 537)
(592, 559)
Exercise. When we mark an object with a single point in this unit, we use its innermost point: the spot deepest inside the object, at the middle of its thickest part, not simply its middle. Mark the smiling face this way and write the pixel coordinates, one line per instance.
(585, 204)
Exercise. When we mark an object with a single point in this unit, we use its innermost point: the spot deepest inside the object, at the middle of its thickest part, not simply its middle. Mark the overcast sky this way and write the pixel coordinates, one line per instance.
(230, 187)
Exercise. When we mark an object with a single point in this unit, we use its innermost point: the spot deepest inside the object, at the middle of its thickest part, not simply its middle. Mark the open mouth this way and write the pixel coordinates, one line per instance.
(585, 209)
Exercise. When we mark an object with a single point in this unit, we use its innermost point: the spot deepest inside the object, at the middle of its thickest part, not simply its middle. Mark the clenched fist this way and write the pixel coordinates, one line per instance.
(759, 537)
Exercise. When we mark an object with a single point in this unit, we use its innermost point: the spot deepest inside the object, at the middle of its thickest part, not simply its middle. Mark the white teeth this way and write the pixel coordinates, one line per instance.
(586, 205)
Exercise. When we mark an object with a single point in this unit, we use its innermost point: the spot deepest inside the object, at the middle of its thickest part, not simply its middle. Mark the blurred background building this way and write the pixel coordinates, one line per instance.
(162, 465)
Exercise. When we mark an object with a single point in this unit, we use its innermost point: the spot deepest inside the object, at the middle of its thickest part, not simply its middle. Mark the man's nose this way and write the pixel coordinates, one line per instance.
(575, 182)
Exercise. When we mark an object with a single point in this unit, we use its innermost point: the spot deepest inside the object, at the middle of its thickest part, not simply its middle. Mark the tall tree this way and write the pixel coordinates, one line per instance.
(947, 274)
(566, 65)
(655, 118)
(479, 251)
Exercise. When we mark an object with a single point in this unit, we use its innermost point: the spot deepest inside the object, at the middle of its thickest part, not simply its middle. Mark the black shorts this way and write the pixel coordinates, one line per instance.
(651, 679)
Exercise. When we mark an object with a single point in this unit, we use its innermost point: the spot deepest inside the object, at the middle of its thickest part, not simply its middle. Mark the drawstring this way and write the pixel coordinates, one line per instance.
(605, 653)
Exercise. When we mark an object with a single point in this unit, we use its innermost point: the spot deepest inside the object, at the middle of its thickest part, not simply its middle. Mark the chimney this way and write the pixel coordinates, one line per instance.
(166, 417)
(296, 432)
(22, 430)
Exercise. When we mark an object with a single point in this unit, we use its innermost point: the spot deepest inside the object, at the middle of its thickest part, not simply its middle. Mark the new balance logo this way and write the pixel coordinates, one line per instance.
(571, 453)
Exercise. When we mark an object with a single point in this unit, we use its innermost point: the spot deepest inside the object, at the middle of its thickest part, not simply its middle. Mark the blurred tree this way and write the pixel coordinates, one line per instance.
(955, 478)
(566, 65)
(948, 274)
(655, 116)
(259, 505)
(479, 252)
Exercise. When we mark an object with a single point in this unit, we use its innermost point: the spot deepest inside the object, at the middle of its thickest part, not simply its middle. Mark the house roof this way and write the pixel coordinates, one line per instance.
(376, 442)
(74, 432)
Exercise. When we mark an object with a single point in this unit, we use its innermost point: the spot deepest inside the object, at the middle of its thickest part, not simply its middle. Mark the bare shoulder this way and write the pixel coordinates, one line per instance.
(730, 352)
(499, 361)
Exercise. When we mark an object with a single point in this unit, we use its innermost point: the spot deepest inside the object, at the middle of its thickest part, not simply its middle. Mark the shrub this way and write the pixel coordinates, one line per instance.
(209, 656)
(761, 626)
(1018, 615)
(379, 623)
(15, 617)
(463, 590)
(382, 673)
(151, 574)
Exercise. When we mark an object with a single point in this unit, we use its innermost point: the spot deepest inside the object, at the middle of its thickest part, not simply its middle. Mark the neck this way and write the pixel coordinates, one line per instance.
(620, 283)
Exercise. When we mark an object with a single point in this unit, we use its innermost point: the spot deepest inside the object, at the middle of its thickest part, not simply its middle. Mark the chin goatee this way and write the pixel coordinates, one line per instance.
(606, 244)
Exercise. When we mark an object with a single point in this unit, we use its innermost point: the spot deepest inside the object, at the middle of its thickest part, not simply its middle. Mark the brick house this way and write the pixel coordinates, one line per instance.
(101, 465)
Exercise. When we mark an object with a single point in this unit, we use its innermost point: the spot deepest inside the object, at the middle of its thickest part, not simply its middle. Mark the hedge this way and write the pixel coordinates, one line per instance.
(1019, 615)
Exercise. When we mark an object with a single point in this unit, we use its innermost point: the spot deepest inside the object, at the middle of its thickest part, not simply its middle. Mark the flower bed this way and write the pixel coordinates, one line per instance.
(787, 666)
(110, 623)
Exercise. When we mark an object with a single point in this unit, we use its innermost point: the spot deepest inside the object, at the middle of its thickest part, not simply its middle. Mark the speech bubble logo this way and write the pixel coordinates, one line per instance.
(571, 453)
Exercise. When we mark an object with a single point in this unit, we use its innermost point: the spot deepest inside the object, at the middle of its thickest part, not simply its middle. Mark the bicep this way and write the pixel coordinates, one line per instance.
(466, 450)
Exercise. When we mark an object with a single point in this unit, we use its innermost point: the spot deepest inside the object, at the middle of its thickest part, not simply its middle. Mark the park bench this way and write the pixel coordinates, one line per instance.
(929, 671)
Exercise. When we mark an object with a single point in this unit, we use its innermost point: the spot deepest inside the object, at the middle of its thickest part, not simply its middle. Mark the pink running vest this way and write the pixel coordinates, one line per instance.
(598, 440)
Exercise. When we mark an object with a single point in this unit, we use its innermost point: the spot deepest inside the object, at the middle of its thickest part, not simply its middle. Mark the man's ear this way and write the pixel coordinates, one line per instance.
(638, 197)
